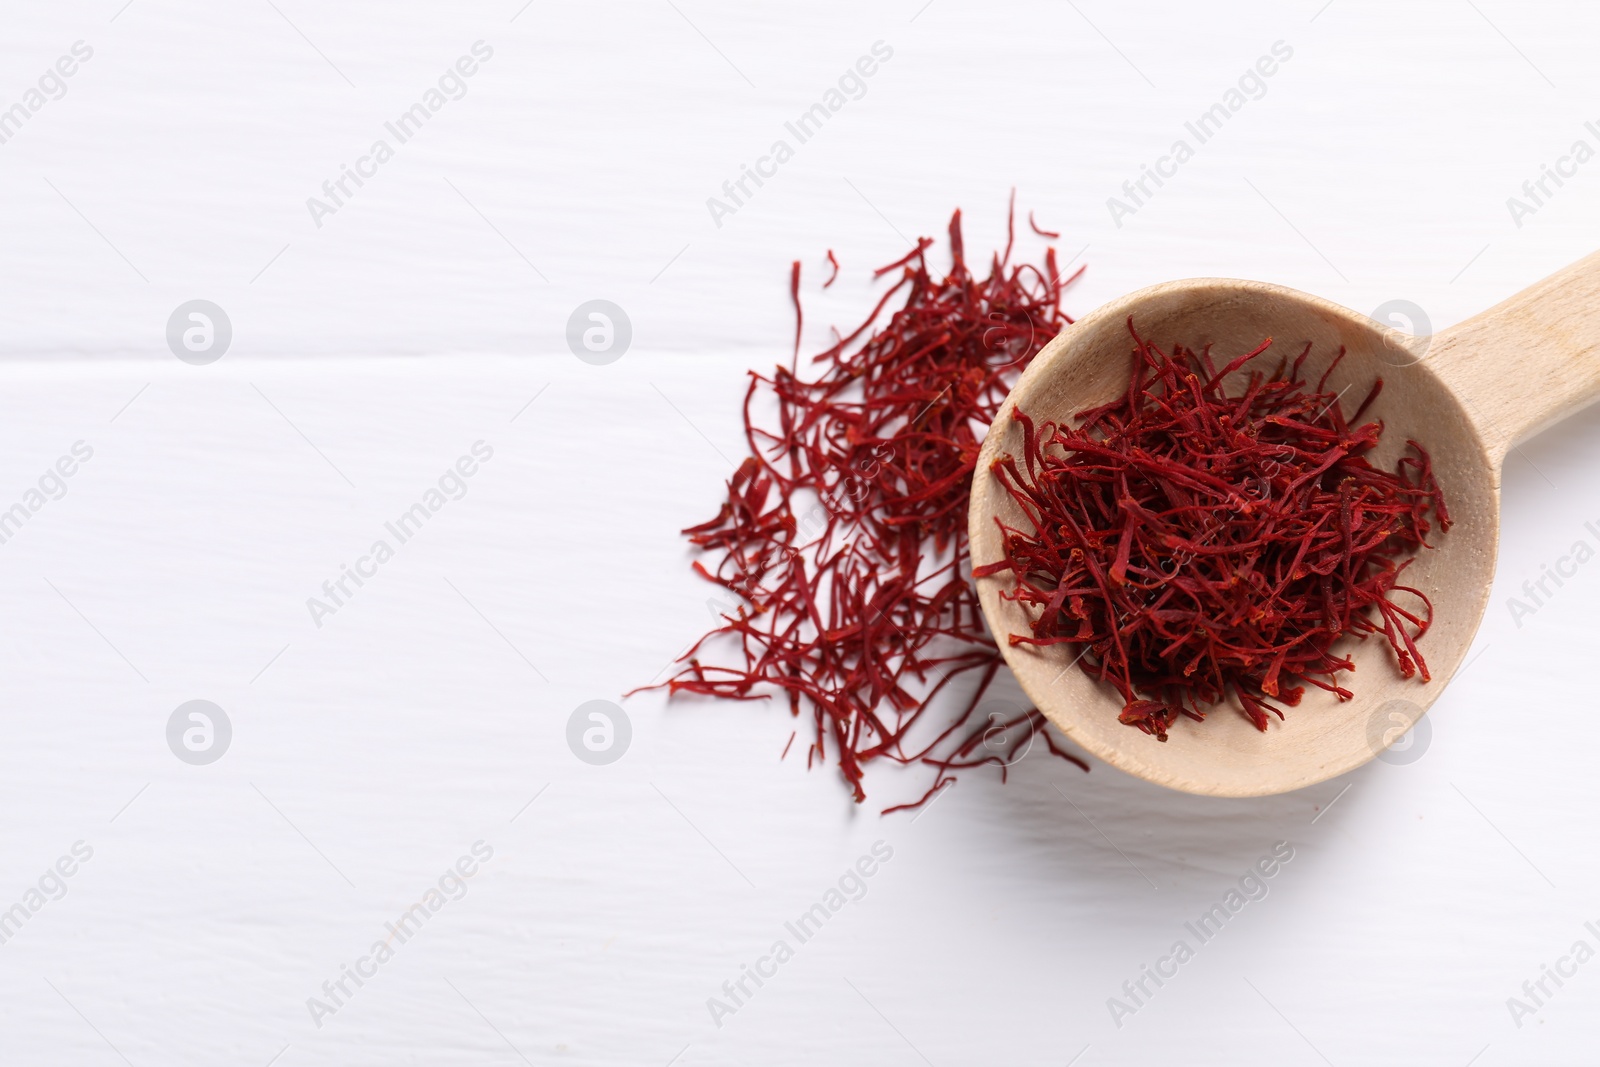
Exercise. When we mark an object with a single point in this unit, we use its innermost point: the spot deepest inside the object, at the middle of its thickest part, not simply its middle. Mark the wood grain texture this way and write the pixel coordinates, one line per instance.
(1529, 361)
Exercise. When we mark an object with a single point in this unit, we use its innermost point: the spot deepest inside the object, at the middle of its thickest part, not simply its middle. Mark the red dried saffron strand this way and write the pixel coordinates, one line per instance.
(835, 275)
(794, 295)
(1212, 533)
(844, 532)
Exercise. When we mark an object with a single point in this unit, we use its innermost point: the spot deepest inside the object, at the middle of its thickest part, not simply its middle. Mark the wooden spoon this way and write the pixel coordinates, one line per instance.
(1466, 394)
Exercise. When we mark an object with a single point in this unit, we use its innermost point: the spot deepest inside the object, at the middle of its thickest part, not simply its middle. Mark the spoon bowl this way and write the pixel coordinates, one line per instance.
(1465, 395)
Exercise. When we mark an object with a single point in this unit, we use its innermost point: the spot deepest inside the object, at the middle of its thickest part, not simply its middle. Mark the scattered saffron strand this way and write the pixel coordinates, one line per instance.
(1042, 233)
(832, 277)
(842, 540)
(1206, 542)
(794, 295)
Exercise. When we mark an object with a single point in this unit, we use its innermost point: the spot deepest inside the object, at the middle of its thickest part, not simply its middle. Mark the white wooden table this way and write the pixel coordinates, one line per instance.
(374, 742)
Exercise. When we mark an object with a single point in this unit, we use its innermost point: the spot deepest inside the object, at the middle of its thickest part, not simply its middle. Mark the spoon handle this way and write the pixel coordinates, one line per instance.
(1529, 361)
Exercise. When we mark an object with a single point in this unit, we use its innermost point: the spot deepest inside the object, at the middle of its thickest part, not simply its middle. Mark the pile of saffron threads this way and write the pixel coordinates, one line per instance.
(1210, 535)
(843, 537)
